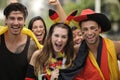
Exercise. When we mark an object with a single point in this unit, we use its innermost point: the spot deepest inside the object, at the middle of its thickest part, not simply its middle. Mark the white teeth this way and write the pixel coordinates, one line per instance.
(14, 27)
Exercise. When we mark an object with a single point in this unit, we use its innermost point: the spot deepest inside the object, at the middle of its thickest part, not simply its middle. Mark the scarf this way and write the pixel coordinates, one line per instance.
(108, 71)
(79, 62)
(26, 31)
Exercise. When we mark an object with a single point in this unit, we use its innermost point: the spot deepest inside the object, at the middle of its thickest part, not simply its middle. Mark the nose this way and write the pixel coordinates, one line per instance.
(89, 32)
(59, 39)
(16, 22)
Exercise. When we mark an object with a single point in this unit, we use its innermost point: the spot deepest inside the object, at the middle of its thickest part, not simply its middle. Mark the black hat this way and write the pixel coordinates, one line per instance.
(100, 18)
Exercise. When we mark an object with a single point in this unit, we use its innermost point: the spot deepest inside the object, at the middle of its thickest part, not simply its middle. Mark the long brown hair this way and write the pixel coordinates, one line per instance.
(47, 52)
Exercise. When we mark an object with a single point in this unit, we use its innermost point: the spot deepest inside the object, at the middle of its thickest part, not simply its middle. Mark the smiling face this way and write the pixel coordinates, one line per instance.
(91, 31)
(15, 22)
(77, 37)
(39, 30)
(59, 38)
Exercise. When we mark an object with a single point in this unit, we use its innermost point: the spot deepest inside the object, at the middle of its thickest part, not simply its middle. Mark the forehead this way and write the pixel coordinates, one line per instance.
(60, 30)
(36, 22)
(13, 13)
(76, 31)
(89, 23)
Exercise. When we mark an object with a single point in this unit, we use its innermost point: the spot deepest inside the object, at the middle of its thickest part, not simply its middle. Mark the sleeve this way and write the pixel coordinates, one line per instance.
(30, 73)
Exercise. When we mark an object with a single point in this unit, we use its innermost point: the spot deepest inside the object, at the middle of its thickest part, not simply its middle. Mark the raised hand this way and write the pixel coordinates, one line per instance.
(13, 1)
(54, 2)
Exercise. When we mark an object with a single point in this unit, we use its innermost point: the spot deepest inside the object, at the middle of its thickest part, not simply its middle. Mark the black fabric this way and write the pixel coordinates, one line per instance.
(69, 73)
(13, 66)
(99, 52)
(30, 72)
(102, 20)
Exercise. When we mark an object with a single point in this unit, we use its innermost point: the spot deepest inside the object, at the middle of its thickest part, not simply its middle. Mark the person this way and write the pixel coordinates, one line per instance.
(38, 27)
(57, 53)
(77, 36)
(97, 57)
(15, 44)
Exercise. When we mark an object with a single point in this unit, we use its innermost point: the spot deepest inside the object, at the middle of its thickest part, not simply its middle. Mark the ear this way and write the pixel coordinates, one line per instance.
(54, 16)
(99, 28)
(5, 21)
(71, 16)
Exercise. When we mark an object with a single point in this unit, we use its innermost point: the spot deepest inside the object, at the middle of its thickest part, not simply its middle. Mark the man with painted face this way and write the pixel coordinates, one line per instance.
(97, 56)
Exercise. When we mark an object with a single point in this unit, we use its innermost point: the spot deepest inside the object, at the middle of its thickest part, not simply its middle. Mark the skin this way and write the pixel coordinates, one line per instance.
(13, 1)
(91, 30)
(59, 39)
(77, 37)
(39, 30)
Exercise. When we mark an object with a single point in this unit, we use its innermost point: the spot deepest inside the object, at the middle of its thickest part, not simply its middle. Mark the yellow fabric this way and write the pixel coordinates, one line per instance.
(26, 31)
(95, 64)
(112, 61)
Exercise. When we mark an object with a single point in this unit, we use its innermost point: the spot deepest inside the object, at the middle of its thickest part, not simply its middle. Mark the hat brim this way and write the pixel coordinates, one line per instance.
(101, 19)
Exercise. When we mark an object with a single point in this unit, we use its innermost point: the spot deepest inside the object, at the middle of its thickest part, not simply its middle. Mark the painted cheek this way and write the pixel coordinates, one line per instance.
(96, 30)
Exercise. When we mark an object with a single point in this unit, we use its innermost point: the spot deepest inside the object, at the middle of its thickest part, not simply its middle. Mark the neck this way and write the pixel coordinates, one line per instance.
(13, 38)
(93, 47)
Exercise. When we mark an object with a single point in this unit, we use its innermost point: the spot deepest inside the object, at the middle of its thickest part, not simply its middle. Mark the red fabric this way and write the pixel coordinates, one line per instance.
(104, 62)
(29, 79)
(89, 72)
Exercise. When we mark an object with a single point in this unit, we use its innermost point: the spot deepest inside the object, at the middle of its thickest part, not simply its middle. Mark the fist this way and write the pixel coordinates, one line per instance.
(53, 2)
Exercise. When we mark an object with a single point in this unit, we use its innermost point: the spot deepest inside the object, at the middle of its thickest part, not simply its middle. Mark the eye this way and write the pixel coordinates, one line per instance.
(20, 18)
(11, 18)
(34, 27)
(56, 35)
(64, 36)
(93, 27)
(84, 29)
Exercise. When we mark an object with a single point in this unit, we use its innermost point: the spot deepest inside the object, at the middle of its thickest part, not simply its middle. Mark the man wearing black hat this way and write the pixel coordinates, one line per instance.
(97, 57)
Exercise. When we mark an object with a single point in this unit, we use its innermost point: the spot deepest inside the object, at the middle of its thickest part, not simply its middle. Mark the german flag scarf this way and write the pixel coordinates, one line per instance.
(104, 68)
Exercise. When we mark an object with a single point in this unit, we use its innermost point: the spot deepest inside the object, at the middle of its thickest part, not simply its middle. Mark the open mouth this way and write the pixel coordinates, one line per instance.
(58, 46)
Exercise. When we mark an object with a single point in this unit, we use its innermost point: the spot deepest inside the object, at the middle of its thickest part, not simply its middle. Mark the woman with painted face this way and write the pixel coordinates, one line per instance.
(38, 27)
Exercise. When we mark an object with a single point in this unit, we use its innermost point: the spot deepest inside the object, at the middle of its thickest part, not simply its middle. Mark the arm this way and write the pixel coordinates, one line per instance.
(30, 75)
(34, 56)
(59, 8)
(117, 47)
